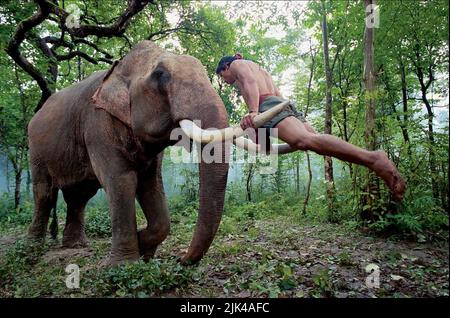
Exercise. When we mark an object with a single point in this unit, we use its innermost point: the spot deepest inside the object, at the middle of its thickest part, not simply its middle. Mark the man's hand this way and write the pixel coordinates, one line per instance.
(247, 121)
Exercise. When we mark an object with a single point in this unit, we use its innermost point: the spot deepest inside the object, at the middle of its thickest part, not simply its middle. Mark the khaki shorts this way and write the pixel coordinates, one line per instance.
(289, 110)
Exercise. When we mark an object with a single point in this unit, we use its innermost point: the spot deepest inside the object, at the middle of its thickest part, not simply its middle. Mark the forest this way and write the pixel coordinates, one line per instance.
(373, 73)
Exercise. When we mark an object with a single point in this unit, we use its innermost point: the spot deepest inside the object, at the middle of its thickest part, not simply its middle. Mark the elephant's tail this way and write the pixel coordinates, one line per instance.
(54, 224)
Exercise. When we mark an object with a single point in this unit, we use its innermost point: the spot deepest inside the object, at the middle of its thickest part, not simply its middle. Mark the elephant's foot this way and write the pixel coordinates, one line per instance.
(148, 243)
(118, 257)
(147, 253)
(37, 232)
(74, 237)
(74, 242)
(35, 238)
(190, 258)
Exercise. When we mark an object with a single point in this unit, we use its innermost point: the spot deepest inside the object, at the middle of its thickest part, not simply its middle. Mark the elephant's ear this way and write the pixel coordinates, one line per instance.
(113, 95)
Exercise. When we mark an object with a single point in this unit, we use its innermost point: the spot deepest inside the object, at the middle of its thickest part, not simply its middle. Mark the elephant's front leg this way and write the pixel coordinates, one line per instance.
(152, 199)
(121, 193)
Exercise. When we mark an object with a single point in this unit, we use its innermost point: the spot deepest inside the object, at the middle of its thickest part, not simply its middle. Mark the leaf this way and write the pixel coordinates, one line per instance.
(300, 294)
(287, 284)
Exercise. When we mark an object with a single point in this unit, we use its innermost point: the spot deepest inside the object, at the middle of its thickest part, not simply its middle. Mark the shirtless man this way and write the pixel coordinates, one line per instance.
(260, 93)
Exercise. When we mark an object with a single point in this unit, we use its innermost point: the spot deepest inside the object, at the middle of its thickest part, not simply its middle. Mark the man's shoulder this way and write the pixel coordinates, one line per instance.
(240, 66)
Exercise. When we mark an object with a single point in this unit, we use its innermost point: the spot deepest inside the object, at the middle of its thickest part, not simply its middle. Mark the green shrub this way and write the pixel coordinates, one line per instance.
(19, 259)
(323, 283)
(11, 217)
(98, 222)
(417, 216)
(141, 279)
(178, 205)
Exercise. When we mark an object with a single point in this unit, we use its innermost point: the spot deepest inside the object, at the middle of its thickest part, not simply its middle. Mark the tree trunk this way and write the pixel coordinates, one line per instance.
(308, 186)
(18, 181)
(7, 178)
(328, 114)
(418, 63)
(405, 104)
(28, 183)
(432, 156)
(249, 182)
(308, 103)
(371, 190)
(346, 135)
(444, 189)
(297, 175)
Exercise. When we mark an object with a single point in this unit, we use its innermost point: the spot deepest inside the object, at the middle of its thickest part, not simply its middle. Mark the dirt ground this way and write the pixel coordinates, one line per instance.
(276, 259)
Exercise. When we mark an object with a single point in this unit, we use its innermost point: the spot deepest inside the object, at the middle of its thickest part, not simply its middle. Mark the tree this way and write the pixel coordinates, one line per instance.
(15, 112)
(371, 192)
(328, 114)
(426, 55)
(71, 38)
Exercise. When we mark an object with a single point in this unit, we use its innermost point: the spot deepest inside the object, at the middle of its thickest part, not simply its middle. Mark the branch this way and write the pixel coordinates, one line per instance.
(72, 54)
(57, 41)
(95, 47)
(116, 29)
(84, 55)
(47, 7)
(53, 67)
(16, 40)
(162, 32)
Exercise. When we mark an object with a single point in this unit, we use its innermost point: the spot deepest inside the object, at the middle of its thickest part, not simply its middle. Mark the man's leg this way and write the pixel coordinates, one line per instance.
(309, 127)
(297, 135)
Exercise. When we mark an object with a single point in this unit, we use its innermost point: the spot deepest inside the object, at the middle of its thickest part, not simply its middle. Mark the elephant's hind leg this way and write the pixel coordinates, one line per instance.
(151, 197)
(45, 196)
(76, 198)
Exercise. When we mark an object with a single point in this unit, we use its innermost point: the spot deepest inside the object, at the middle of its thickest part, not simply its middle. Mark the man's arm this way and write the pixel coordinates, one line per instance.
(248, 85)
(277, 92)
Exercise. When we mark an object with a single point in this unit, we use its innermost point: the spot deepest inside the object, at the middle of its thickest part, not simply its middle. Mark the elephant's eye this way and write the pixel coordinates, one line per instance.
(162, 78)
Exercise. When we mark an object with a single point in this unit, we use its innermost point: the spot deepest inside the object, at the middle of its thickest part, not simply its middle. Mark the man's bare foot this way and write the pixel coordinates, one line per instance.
(386, 170)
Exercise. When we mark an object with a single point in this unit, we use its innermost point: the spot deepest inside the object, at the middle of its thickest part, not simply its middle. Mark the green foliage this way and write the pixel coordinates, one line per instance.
(140, 279)
(189, 188)
(250, 257)
(324, 284)
(10, 217)
(287, 280)
(19, 259)
(98, 221)
(421, 218)
(345, 259)
(276, 204)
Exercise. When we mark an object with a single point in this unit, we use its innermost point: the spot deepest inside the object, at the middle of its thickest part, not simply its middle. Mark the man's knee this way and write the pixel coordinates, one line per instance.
(304, 142)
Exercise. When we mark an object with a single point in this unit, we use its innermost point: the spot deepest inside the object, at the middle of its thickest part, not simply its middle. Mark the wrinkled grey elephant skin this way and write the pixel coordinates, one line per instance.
(108, 131)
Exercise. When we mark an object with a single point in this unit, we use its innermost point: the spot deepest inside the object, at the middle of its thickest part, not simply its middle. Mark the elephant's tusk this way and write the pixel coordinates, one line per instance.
(206, 136)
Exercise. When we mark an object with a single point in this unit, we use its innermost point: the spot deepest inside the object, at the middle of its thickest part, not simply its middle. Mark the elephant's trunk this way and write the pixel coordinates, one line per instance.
(213, 181)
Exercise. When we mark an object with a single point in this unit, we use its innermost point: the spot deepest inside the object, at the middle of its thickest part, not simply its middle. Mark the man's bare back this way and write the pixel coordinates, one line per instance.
(264, 81)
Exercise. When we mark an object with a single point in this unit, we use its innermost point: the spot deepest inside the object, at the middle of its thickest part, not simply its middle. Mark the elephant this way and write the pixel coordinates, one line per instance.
(109, 131)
